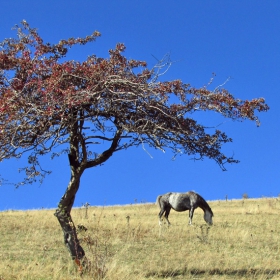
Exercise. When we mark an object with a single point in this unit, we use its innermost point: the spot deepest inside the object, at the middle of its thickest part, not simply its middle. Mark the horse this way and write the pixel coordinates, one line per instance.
(182, 202)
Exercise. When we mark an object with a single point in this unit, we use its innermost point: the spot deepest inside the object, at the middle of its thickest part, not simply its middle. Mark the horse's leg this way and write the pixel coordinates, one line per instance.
(191, 215)
(167, 211)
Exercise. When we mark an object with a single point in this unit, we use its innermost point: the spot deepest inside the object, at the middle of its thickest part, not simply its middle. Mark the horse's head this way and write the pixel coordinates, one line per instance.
(208, 217)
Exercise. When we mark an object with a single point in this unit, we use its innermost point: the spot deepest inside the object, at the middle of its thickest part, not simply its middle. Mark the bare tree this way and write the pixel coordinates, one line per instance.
(52, 105)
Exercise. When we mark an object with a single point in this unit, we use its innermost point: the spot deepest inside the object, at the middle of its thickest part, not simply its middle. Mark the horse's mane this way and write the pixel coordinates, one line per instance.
(201, 201)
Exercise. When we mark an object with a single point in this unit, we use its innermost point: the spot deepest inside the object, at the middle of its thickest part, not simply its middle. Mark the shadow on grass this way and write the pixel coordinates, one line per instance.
(215, 271)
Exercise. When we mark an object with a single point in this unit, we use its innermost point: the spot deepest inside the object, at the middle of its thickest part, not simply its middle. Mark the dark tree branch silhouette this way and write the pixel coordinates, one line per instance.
(48, 103)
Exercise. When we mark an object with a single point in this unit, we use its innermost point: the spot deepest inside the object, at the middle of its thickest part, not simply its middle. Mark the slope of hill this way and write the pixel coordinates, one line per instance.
(126, 242)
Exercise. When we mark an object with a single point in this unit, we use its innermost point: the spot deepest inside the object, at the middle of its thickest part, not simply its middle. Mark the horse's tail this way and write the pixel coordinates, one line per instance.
(158, 199)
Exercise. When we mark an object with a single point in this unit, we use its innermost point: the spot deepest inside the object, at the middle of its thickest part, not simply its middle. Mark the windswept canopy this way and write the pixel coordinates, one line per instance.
(46, 101)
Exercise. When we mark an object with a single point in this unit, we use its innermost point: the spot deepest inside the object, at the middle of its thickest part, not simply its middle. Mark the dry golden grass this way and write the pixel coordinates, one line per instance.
(243, 243)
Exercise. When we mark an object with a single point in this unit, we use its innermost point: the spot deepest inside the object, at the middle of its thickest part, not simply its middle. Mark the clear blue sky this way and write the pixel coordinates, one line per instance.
(237, 39)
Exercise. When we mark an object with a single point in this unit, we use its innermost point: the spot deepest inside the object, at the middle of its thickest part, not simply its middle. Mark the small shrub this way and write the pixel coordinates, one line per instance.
(245, 196)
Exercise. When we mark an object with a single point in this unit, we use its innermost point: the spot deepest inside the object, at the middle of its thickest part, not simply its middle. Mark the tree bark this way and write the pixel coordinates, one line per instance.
(64, 217)
(63, 212)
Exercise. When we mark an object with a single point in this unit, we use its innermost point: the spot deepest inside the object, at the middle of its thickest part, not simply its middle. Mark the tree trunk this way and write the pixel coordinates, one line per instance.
(77, 168)
(63, 215)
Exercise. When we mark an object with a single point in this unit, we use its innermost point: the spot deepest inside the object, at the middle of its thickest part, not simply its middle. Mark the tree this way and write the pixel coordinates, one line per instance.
(52, 105)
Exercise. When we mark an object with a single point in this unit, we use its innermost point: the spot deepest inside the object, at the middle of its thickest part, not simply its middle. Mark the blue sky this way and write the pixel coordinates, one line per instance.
(236, 39)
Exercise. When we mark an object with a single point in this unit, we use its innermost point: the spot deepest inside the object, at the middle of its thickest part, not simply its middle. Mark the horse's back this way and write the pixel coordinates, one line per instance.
(180, 201)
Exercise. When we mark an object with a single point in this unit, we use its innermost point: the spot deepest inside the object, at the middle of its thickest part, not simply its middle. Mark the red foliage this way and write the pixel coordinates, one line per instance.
(44, 99)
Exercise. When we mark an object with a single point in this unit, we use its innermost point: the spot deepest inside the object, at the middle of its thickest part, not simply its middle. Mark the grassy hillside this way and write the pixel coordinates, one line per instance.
(244, 243)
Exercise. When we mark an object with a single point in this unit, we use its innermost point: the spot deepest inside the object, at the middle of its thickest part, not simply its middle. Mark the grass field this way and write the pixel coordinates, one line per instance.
(126, 242)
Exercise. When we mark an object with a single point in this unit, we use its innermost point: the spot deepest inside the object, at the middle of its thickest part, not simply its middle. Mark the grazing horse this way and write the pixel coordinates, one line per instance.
(182, 202)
